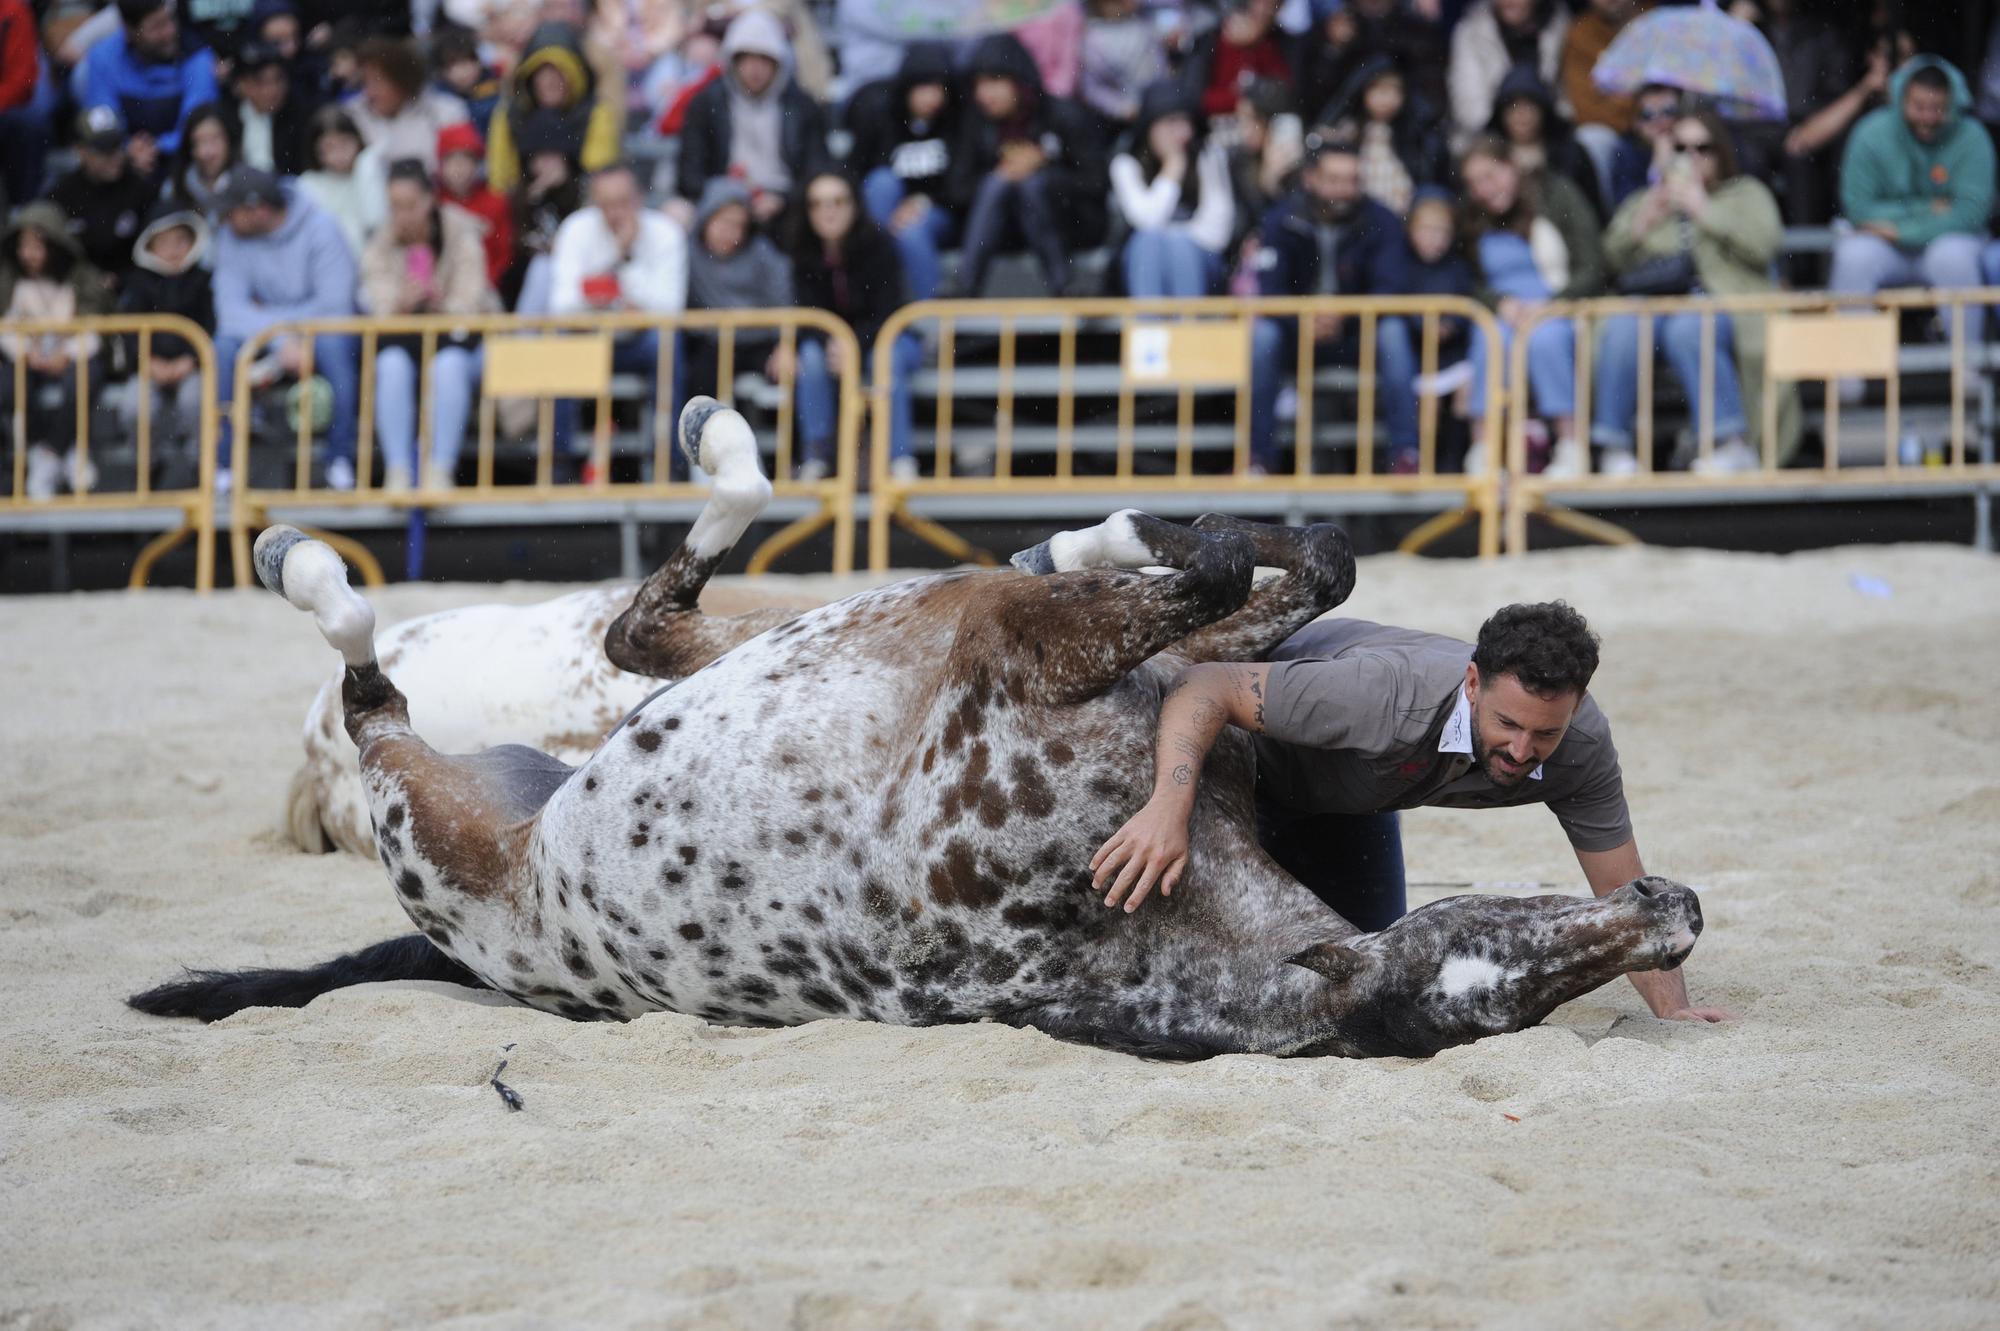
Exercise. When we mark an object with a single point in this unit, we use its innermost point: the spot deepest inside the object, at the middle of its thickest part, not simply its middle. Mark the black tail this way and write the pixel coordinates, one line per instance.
(213, 995)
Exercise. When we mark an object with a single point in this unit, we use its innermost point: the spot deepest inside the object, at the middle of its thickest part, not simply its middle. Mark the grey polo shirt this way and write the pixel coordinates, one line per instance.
(1361, 717)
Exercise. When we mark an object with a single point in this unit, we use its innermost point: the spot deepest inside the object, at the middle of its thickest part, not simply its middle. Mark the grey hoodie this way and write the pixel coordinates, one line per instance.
(757, 123)
(756, 277)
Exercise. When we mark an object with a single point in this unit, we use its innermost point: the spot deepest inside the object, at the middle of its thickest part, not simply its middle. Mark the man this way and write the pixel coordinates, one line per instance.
(278, 258)
(754, 124)
(145, 74)
(1354, 721)
(271, 115)
(616, 254)
(105, 200)
(1916, 183)
(1327, 238)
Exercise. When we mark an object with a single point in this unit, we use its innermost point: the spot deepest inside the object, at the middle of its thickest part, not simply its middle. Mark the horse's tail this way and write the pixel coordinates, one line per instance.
(212, 995)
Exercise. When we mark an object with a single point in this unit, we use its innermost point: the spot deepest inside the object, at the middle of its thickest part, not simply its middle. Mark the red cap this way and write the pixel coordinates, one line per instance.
(460, 138)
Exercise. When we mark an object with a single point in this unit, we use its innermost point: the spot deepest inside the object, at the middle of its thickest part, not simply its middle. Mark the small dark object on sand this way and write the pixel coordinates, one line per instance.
(508, 1095)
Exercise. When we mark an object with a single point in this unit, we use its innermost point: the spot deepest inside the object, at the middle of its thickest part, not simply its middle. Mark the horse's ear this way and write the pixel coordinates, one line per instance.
(1338, 964)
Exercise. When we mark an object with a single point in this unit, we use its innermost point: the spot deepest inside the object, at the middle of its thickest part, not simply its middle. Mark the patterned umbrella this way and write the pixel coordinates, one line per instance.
(1699, 49)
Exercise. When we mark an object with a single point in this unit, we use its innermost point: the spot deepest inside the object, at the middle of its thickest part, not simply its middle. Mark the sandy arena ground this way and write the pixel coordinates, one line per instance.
(1822, 763)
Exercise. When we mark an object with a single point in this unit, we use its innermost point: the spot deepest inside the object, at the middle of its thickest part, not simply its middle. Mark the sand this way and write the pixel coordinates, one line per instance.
(1819, 761)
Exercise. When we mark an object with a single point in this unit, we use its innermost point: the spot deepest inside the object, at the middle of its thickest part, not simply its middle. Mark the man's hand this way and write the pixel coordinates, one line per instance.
(1886, 230)
(1020, 159)
(909, 212)
(1150, 851)
(766, 204)
(780, 365)
(1708, 1014)
(1325, 327)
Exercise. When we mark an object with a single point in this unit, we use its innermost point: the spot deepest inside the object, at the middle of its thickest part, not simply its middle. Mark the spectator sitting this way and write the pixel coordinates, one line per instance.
(1826, 91)
(276, 24)
(426, 259)
(44, 276)
(461, 154)
(460, 71)
(346, 178)
(1641, 158)
(1028, 169)
(1601, 118)
(554, 90)
(1533, 239)
(753, 124)
(1226, 59)
(1492, 38)
(105, 200)
(168, 278)
(150, 78)
(1728, 224)
(271, 115)
(1174, 192)
(1916, 183)
(1349, 35)
(697, 64)
(733, 267)
(1122, 53)
(1438, 268)
(398, 113)
(1327, 238)
(616, 254)
(1268, 144)
(905, 131)
(844, 263)
(1538, 138)
(344, 41)
(1402, 146)
(278, 258)
(550, 192)
(208, 151)
(24, 105)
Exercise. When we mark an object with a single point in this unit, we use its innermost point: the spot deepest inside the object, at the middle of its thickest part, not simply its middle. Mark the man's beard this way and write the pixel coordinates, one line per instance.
(1332, 212)
(1487, 758)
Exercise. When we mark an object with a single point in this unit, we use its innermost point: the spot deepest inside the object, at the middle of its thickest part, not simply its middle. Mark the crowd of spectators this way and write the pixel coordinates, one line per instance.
(275, 160)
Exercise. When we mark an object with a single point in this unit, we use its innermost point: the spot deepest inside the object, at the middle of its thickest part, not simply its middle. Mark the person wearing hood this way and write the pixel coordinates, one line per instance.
(151, 77)
(555, 94)
(1173, 190)
(1029, 168)
(1525, 115)
(278, 25)
(1347, 35)
(1916, 184)
(270, 111)
(616, 254)
(278, 258)
(1492, 38)
(753, 124)
(168, 278)
(1402, 147)
(905, 132)
(45, 277)
(732, 266)
(399, 113)
(551, 191)
(427, 259)
(1327, 238)
(104, 198)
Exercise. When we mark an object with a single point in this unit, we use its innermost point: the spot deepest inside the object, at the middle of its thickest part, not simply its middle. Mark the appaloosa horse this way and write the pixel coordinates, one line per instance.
(885, 809)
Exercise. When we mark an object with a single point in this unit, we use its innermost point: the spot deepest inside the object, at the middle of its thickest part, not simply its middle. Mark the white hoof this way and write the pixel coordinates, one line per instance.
(720, 442)
(309, 575)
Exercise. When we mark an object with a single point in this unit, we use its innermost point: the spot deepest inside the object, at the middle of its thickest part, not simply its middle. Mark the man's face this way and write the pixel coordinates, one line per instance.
(726, 230)
(282, 32)
(616, 195)
(156, 36)
(997, 97)
(755, 73)
(550, 88)
(1514, 730)
(1924, 110)
(1335, 181)
(102, 164)
(1513, 13)
(253, 220)
(1657, 112)
(265, 88)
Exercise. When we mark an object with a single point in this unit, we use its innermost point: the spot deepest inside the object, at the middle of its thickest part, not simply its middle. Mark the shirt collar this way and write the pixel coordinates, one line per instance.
(1457, 735)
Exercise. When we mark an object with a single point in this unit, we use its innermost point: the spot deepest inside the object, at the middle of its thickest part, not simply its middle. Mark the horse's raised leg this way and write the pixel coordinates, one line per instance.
(662, 633)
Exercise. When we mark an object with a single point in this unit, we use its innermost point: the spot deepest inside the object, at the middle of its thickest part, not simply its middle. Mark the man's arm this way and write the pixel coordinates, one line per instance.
(1665, 992)
(1151, 848)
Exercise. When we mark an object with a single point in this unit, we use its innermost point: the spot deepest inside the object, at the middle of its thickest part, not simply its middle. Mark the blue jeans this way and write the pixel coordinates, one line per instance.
(632, 353)
(1274, 363)
(1169, 263)
(454, 384)
(1013, 212)
(919, 242)
(336, 358)
(1989, 273)
(1679, 336)
(1551, 367)
(1351, 861)
(819, 394)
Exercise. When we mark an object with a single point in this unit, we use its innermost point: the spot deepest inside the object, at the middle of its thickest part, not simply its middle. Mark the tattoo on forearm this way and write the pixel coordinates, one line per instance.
(1183, 774)
(1208, 715)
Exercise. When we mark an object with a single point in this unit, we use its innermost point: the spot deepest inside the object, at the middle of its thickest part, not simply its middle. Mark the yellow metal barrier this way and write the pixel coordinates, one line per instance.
(1805, 336)
(1184, 348)
(191, 509)
(545, 358)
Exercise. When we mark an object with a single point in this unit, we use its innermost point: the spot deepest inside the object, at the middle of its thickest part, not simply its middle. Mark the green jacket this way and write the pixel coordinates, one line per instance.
(1887, 175)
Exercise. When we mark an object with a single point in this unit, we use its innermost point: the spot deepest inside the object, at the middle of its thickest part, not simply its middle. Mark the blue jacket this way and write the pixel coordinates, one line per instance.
(1372, 258)
(150, 97)
(303, 270)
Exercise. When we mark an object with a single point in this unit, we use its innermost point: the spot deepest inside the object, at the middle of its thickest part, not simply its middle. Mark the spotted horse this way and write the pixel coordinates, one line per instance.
(885, 809)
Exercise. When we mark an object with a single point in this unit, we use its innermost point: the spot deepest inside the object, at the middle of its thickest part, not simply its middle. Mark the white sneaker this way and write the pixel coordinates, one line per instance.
(1287, 408)
(1617, 463)
(1567, 461)
(1732, 457)
(440, 478)
(904, 468)
(814, 470)
(223, 482)
(395, 480)
(81, 474)
(340, 475)
(44, 472)
(1475, 460)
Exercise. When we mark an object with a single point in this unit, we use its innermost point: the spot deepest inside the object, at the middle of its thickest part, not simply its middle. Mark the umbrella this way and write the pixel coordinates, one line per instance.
(1699, 49)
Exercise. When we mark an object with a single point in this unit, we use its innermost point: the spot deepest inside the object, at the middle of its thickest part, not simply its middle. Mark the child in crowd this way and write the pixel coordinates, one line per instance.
(1438, 267)
(346, 179)
(343, 59)
(461, 153)
(44, 277)
(169, 279)
(458, 69)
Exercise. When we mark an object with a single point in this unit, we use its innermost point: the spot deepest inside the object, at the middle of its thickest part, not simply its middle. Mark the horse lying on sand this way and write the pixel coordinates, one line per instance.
(885, 809)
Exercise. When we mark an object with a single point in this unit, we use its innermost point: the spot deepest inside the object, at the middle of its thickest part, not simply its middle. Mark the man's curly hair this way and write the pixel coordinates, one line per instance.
(1546, 646)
